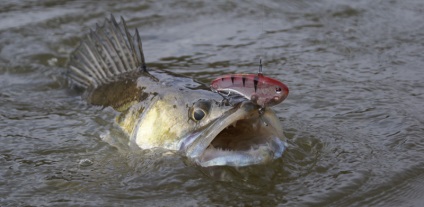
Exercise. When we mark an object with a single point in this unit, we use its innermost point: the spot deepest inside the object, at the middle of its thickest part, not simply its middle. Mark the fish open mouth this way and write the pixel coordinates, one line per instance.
(242, 138)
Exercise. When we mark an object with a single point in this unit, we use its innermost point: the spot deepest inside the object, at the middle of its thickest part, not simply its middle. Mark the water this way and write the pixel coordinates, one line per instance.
(353, 118)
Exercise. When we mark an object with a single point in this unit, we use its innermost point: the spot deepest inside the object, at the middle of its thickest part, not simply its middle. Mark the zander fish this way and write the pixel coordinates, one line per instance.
(161, 109)
(261, 90)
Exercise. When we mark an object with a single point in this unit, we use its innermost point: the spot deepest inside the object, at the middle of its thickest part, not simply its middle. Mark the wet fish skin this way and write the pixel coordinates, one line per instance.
(163, 109)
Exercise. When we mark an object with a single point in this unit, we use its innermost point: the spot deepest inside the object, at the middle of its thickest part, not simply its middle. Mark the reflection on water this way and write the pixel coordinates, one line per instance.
(352, 118)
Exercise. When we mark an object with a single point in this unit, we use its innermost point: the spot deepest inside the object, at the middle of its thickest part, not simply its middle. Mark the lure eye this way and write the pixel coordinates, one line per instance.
(198, 114)
(278, 90)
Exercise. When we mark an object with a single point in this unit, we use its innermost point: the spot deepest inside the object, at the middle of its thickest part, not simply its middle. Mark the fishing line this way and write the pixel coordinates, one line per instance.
(260, 66)
(262, 53)
(261, 49)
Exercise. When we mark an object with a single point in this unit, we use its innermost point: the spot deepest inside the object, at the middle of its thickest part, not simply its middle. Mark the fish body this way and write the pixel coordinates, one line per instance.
(261, 90)
(166, 110)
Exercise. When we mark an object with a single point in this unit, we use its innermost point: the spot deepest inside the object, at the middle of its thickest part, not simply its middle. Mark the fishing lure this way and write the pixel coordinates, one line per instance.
(261, 90)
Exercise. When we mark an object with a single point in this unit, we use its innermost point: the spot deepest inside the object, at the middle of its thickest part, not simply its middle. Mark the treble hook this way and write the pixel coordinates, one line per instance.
(261, 112)
(222, 93)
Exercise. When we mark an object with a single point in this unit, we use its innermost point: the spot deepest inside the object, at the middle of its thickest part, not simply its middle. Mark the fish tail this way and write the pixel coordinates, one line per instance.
(106, 53)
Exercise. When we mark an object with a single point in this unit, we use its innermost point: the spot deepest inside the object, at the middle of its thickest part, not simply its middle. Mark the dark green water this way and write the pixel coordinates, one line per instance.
(354, 117)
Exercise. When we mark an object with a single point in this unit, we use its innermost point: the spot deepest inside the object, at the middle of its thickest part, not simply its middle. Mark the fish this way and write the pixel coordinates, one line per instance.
(261, 90)
(161, 109)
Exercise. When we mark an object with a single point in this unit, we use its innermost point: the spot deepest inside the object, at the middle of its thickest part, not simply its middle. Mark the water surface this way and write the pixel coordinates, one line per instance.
(354, 117)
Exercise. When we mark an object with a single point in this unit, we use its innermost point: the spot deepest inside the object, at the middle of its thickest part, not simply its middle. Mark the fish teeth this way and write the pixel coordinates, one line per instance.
(234, 124)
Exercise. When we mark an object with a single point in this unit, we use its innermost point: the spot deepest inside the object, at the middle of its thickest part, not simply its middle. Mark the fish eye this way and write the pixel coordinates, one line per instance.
(198, 114)
(278, 90)
(200, 110)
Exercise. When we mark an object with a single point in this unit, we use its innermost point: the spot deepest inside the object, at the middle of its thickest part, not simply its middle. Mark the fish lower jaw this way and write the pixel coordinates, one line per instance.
(242, 143)
(220, 157)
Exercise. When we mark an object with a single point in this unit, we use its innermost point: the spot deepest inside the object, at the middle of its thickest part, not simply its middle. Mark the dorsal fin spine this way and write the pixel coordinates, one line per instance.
(107, 52)
(99, 57)
(81, 80)
(127, 51)
(117, 60)
(118, 49)
(89, 63)
(130, 39)
(106, 61)
(140, 49)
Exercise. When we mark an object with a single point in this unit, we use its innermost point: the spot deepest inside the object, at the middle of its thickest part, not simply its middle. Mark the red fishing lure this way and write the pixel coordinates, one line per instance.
(261, 90)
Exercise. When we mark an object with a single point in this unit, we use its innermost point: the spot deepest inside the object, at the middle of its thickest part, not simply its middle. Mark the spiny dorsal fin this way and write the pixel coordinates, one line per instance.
(105, 54)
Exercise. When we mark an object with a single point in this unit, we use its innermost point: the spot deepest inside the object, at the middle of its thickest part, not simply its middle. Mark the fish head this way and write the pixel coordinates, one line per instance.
(232, 134)
(211, 132)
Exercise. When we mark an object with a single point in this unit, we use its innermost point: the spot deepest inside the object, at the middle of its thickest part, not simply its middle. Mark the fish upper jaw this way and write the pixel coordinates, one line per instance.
(240, 137)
